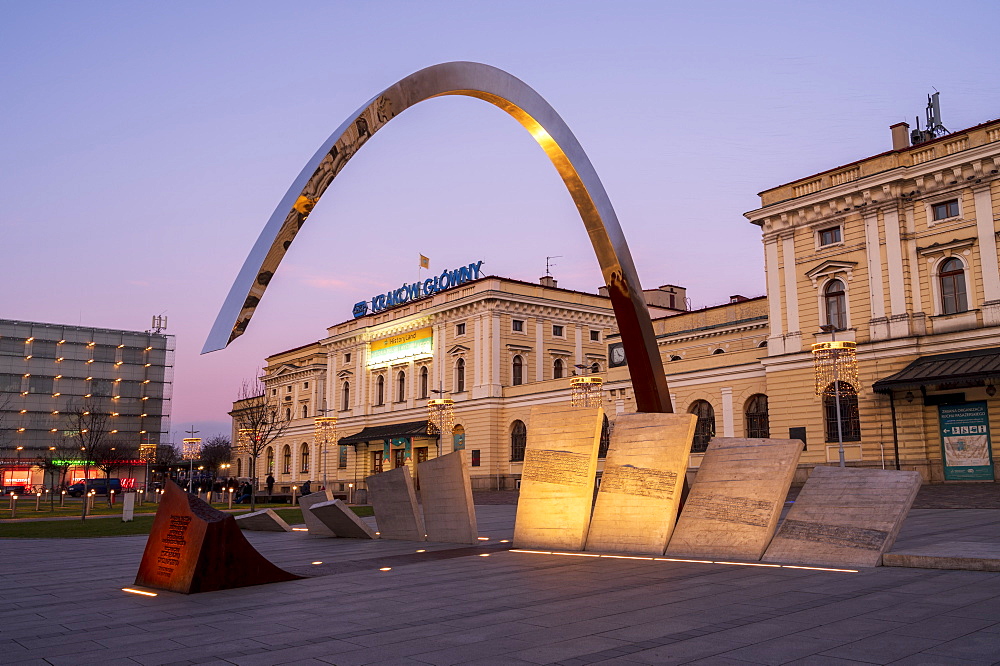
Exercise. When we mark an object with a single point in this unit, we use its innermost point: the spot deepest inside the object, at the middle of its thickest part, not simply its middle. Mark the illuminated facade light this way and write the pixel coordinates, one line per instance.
(56, 394)
(29, 340)
(121, 346)
(149, 349)
(28, 357)
(20, 429)
(147, 365)
(115, 397)
(146, 381)
(143, 415)
(114, 413)
(87, 395)
(27, 374)
(91, 344)
(145, 397)
(54, 412)
(118, 363)
(54, 430)
(58, 377)
(113, 432)
(60, 342)
(24, 411)
(87, 379)
(60, 359)
(90, 360)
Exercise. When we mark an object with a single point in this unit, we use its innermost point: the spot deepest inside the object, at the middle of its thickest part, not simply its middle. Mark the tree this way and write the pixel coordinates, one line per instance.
(260, 423)
(90, 424)
(112, 454)
(216, 451)
(56, 462)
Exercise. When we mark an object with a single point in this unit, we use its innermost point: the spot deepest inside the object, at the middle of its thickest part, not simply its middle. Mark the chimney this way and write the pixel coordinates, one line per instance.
(604, 291)
(900, 136)
(738, 298)
(548, 281)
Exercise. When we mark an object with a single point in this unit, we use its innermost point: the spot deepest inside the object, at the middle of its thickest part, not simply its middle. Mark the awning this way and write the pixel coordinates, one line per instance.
(380, 432)
(945, 371)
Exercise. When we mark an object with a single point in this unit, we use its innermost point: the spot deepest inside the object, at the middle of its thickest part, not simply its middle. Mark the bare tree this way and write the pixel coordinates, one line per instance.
(56, 462)
(112, 454)
(90, 424)
(260, 422)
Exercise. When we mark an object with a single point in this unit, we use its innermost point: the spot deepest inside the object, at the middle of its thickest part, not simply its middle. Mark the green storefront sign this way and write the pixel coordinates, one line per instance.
(965, 442)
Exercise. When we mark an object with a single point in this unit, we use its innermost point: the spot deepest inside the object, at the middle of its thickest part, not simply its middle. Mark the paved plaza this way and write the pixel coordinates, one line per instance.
(63, 604)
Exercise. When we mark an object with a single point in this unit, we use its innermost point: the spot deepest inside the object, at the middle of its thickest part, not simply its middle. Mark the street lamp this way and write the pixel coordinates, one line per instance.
(835, 362)
(324, 431)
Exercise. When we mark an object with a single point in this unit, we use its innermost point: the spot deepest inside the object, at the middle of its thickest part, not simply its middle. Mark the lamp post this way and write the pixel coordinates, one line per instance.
(190, 450)
(835, 361)
(324, 431)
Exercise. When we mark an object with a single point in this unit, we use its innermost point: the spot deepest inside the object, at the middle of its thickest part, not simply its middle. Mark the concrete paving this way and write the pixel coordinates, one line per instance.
(62, 604)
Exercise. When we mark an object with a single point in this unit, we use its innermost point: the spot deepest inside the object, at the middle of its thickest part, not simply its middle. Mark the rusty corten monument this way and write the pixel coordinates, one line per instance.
(196, 548)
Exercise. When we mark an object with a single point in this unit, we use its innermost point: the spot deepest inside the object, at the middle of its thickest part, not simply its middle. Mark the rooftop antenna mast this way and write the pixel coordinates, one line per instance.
(549, 264)
(159, 323)
(934, 127)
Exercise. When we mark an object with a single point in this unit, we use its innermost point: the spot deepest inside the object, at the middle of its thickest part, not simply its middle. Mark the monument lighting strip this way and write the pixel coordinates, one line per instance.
(142, 592)
(674, 559)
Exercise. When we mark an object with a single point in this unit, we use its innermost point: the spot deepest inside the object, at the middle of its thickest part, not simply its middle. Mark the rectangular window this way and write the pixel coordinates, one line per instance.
(347, 357)
(476, 459)
(459, 329)
(305, 385)
(595, 336)
(829, 236)
(945, 209)
(517, 325)
(288, 389)
(558, 331)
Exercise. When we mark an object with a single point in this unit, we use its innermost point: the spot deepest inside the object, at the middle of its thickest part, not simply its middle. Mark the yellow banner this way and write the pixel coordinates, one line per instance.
(403, 338)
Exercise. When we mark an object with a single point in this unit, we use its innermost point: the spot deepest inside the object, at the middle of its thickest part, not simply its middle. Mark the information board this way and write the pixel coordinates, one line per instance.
(965, 442)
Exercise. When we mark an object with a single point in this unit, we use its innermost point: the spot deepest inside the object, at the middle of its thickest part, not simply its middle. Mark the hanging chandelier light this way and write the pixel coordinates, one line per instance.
(586, 392)
(324, 430)
(834, 362)
(440, 416)
(243, 440)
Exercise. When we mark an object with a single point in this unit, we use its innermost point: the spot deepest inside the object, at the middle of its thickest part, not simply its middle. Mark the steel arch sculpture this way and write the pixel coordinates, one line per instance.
(525, 105)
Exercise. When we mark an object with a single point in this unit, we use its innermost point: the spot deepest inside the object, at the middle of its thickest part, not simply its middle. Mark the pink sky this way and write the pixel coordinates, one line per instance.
(145, 145)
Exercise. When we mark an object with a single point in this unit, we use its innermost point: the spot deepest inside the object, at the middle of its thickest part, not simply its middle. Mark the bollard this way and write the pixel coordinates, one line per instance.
(13, 506)
(111, 497)
(294, 488)
(62, 499)
(230, 498)
(38, 501)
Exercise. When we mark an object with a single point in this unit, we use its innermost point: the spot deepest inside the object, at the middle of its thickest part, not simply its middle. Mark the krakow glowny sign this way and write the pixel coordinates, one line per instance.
(415, 290)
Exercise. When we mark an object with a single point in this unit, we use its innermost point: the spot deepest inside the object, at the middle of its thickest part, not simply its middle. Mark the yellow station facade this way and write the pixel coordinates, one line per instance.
(896, 252)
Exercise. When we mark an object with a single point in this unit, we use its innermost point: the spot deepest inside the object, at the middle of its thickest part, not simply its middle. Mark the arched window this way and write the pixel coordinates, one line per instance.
(835, 304)
(850, 422)
(288, 414)
(595, 367)
(675, 357)
(380, 390)
(269, 457)
(304, 458)
(345, 396)
(401, 386)
(286, 460)
(602, 450)
(305, 411)
(762, 345)
(952, 277)
(423, 382)
(557, 369)
(239, 467)
(460, 375)
(517, 371)
(756, 418)
(705, 430)
(720, 350)
(518, 440)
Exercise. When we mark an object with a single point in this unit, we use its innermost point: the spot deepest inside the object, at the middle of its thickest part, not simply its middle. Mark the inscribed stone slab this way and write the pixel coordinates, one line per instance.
(316, 526)
(340, 520)
(262, 521)
(641, 485)
(395, 504)
(557, 480)
(845, 517)
(193, 547)
(736, 499)
(446, 495)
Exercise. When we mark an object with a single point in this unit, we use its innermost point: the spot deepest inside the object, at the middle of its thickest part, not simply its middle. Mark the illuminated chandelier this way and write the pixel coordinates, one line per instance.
(243, 440)
(324, 429)
(586, 392)
(191, 448)
(440, 416)
(835, 362)
(147, 453)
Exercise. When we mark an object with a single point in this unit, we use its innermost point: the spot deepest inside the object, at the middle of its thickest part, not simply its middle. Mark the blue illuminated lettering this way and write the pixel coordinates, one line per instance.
(415, 290)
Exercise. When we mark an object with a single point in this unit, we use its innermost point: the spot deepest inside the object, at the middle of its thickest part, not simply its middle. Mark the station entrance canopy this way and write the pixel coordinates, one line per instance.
(945, 371)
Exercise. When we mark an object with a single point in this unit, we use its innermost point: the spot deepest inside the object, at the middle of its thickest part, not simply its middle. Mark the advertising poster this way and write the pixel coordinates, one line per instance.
(458, 441)
(965, 442)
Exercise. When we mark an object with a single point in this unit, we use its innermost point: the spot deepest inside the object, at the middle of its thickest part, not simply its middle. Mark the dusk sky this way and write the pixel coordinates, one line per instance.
(144, 145)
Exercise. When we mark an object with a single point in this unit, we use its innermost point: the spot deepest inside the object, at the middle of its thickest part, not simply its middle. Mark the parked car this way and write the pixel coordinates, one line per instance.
(100, 486)
(15, 490)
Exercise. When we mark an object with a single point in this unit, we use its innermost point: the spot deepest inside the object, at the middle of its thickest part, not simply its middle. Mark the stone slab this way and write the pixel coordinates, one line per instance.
(265, 520)
(845, 517)
(557, 479)
(965, 555)
(315, 526)
(394, 501)
(736, 498)
(193, 547)
(641, 484)
(341, 521)
(446, 495)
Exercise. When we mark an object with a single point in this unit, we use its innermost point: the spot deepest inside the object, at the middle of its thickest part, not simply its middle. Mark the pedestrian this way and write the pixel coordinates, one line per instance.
(306, 488)
(270, 486)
